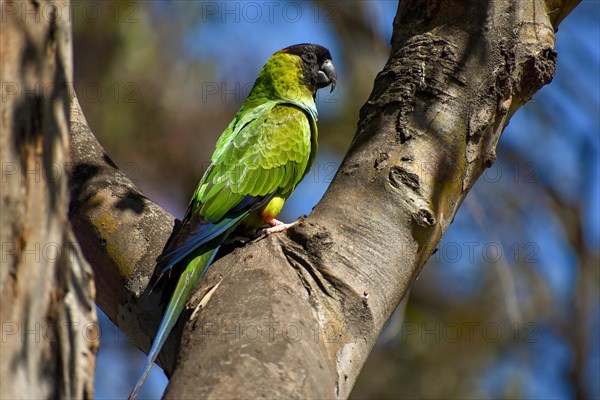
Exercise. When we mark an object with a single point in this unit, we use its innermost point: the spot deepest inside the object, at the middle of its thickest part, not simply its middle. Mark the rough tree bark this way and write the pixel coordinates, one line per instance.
(49, 329)
(296, 314)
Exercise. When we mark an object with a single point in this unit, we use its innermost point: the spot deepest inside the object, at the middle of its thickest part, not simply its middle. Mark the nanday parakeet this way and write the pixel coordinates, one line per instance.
(259, 160)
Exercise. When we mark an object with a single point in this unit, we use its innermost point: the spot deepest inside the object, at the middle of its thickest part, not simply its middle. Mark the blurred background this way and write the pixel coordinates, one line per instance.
(509, 305)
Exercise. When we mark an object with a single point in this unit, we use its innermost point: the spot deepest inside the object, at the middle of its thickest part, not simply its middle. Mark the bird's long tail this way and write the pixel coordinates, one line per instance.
(188, 279)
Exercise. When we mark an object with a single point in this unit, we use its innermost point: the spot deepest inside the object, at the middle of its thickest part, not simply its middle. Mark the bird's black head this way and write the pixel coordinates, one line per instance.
(319, 71)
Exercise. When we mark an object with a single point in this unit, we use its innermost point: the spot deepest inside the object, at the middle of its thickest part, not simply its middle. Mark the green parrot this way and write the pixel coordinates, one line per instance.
(258, 161)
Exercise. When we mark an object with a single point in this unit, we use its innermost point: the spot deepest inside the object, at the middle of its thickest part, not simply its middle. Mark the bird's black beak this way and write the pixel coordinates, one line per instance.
(327, 75)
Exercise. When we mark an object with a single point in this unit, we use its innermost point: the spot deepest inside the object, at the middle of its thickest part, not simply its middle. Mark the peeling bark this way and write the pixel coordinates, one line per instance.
(49, 329)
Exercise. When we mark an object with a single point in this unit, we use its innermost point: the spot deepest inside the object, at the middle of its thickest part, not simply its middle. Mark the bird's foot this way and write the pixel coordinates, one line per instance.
(278, 226)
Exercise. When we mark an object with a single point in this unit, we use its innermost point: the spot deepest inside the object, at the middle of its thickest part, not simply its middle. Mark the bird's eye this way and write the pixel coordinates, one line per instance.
(309, 57)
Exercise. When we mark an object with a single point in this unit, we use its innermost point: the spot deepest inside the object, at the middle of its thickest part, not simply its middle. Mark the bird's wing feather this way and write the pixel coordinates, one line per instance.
(266, 153)
(269, 154)
(196, 231)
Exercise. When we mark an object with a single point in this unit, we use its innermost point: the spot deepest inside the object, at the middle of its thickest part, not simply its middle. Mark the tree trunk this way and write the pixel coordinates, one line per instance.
(296, 314)
(49, 329)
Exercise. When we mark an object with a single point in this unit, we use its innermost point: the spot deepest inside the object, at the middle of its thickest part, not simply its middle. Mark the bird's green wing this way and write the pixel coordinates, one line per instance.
(267, 153)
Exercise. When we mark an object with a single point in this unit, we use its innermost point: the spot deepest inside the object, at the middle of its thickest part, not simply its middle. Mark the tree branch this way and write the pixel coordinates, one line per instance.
(121, 232)
(296, 315)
